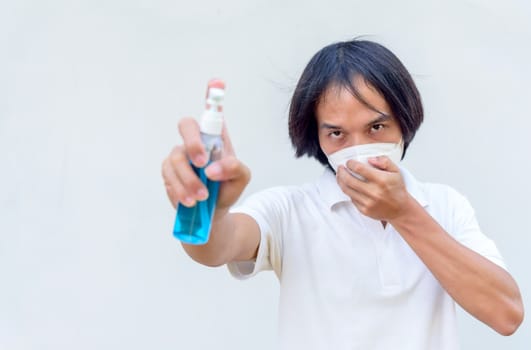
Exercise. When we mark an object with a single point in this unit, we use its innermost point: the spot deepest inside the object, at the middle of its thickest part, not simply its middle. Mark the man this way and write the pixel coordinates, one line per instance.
(367, 256)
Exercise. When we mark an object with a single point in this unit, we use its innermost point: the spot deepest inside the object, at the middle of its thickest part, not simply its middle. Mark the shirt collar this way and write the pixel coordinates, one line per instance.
(332, 194)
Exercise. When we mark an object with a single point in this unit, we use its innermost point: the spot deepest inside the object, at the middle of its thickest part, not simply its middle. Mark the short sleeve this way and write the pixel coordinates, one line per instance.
(467, 231)
(267, 209)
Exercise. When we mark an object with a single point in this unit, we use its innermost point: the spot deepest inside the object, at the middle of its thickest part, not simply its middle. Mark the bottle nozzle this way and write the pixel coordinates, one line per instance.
(212, 120)
(215, 96)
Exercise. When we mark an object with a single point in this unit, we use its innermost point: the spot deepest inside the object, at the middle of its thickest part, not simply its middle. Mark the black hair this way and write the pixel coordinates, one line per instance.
(340, 64)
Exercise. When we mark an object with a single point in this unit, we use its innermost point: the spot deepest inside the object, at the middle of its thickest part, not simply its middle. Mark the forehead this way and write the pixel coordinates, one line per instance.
(359, 101)
(360, 89)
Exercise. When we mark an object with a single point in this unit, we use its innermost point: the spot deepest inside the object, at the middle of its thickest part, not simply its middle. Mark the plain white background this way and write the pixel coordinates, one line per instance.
(90, 95)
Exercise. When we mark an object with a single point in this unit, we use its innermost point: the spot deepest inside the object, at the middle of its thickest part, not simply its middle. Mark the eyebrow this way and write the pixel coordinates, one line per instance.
(382, 117)
(329, 126)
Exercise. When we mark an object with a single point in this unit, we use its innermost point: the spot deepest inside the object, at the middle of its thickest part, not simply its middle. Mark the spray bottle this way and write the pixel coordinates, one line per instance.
(192, 224)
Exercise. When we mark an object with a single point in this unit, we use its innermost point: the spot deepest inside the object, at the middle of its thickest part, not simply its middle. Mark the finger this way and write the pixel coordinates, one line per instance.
(384, 163)
(192, 187)
(189, 130)
(375, 184)
(352, 186)
(228, 169)
(174, 189)
(357, 190)
(366, 171)
(235, 176)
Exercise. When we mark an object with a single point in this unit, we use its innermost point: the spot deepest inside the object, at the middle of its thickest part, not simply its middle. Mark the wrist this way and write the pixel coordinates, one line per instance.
(410, 209)
(220, 213)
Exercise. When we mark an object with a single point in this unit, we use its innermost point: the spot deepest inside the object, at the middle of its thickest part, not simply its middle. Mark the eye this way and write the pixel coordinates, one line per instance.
(377, 127)
(336, 134)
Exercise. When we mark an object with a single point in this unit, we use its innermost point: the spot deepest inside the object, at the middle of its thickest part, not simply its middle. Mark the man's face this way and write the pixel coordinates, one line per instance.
(344, 121)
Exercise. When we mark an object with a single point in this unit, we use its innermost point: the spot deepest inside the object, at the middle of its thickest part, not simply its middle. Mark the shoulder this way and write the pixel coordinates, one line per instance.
(448, 206)
(443, 194)
(441, 199)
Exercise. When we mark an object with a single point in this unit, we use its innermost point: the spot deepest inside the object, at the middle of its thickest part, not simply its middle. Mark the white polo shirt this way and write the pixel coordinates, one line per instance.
(348, 283)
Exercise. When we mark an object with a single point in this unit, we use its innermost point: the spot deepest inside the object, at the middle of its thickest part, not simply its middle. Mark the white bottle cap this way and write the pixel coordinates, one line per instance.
(212, 119)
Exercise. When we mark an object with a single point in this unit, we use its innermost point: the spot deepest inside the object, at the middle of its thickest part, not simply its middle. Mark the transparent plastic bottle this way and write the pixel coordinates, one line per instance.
(192, 224)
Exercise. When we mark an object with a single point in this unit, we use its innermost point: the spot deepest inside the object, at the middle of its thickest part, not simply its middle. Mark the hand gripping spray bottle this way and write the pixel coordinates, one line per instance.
(192, 225)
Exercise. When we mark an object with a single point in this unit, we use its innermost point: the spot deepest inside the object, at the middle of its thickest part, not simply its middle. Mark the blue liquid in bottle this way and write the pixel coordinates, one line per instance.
(192, 224)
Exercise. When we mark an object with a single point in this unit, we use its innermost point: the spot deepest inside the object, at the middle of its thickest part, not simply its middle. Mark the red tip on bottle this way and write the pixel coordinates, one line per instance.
(216, 83)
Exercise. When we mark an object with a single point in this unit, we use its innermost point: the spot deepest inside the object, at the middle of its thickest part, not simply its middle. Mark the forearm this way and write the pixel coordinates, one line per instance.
(217, 251)
(481, 287)
(233, 237)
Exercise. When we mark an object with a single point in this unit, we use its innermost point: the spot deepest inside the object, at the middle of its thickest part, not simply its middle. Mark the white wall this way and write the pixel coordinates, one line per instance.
(90, 94)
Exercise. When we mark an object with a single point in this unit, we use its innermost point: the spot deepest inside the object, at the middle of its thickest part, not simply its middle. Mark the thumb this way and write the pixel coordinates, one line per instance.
(227, 144)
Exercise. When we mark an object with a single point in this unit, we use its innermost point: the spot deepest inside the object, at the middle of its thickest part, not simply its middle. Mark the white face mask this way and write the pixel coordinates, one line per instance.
(362, 153)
